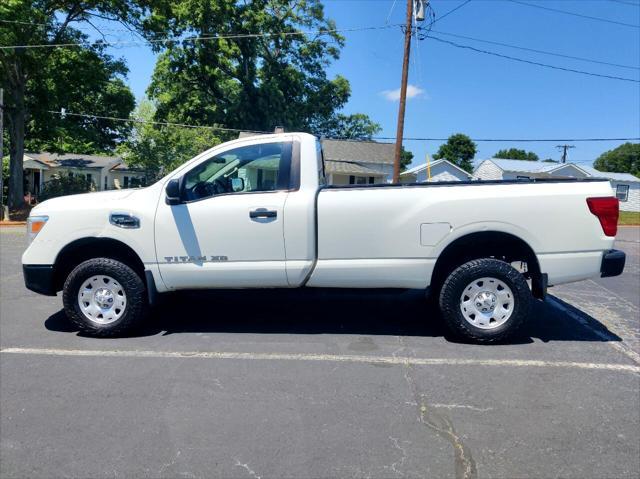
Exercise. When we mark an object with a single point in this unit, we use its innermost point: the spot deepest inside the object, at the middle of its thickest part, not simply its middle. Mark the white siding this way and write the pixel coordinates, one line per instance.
(487, 170)
(441, 172)
(633, 198)
(119, 175)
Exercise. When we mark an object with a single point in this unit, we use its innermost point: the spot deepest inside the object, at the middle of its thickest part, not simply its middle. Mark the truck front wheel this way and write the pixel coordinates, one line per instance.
(485, 300)
(104, 297)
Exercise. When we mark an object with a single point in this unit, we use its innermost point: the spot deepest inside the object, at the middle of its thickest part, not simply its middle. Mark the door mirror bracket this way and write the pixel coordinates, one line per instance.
(172, 191)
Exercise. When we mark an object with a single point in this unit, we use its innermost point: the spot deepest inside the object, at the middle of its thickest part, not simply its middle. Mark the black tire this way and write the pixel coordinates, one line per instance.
(131, 283)
(462, 277)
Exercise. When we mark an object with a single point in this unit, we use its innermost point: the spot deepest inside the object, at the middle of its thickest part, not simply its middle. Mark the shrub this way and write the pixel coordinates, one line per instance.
(62, 185)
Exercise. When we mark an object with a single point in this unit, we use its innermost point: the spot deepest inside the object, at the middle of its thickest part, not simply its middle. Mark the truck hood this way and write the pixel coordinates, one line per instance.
(84, 201)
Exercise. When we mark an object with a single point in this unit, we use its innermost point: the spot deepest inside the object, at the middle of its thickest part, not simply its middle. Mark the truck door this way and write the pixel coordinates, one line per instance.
(227, 231)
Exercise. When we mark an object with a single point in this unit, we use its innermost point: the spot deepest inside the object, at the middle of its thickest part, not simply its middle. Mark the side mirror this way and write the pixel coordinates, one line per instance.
(237, 184)
(173, 192)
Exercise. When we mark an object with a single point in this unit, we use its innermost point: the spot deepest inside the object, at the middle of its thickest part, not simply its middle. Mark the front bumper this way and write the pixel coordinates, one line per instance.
(612, 263)
(39, 278)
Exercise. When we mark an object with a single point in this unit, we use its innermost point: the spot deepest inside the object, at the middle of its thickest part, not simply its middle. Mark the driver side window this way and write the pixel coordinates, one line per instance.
(252, 168)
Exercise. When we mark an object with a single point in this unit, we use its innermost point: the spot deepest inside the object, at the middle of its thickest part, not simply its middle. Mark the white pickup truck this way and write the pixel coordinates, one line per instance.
(256, 213)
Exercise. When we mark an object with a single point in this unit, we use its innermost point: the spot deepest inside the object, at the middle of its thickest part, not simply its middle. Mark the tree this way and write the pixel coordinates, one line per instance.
(353, 127)
(37, 80)
(459, 150)
(550, 160)
(406, 157)
(275, 79)
(516, 154)
(623, 159)
(159, 149)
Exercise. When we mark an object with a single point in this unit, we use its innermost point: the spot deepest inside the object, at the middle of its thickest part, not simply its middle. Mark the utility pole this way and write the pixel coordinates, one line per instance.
(1, 154)
(564, 149)
(403, 92)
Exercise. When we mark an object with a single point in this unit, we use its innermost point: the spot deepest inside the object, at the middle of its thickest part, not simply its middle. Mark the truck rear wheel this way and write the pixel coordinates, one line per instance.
(104, 297)
(485, 300)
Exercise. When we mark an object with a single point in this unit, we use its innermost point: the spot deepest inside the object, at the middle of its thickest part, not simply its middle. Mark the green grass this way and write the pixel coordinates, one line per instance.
(629, 218)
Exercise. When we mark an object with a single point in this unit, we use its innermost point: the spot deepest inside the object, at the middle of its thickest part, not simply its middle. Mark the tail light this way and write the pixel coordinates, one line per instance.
(607, 210)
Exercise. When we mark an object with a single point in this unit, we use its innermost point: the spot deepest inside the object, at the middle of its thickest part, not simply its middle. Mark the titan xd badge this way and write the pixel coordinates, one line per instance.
(195, 259)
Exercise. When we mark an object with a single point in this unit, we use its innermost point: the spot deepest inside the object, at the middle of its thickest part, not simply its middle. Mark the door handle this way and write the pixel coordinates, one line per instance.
(263, 213)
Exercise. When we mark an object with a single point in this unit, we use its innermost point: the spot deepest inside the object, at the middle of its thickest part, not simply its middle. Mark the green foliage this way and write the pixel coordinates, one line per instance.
(160, 149)
(62, 185)
(251, 83)
(459, 150)
(83, 79)
(623, 159)
(406, 157)
(357, 127)
(516, 154)
(80, 79)
(550, 160)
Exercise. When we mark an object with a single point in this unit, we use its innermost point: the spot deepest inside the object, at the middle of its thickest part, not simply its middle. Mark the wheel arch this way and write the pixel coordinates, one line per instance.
(488, 244)
(86, 248)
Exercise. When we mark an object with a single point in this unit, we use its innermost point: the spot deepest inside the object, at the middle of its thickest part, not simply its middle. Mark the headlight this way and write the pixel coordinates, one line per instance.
(35, 225)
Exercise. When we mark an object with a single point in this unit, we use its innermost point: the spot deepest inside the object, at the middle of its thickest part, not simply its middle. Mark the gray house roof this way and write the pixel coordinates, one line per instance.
(359, 151)
(543, 167)
(74, 160)
(351, 168)
(77, 160)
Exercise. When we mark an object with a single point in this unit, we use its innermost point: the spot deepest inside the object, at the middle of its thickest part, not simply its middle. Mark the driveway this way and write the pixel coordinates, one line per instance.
(317, 384)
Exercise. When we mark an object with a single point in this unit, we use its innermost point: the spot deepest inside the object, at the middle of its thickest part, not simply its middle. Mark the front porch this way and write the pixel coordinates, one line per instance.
(33, 179)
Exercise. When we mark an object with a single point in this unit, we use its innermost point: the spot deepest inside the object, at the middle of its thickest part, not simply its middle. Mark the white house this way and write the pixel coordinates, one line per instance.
(104, 172)
(441, 170)
(625, 186)
(357, 162)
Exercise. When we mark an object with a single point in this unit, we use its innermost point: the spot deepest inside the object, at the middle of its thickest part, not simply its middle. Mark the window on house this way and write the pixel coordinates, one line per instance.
(320, 159)
(360, 180)
(622, 192)
(126, 182)
(106, 182)
(89, 178)
(371, 180)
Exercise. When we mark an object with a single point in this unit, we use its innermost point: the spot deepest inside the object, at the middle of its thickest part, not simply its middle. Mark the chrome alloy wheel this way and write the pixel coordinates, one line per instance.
(487, 303)
(102, 299)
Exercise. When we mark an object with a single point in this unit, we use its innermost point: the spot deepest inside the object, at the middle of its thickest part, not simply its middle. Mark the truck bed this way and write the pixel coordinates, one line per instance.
(374, 235)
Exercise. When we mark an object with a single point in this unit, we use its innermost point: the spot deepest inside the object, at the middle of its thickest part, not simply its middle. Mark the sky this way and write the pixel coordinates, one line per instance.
(455, 90)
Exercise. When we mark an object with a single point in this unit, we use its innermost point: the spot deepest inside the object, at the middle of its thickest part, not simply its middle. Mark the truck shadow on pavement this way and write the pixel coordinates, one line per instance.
(365, 312)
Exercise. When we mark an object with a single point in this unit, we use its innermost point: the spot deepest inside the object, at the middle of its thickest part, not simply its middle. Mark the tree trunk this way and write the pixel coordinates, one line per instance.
(16, 120)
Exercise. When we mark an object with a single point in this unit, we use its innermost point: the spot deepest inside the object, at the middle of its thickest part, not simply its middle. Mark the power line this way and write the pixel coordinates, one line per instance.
(599, 19)
(522, 60)
(626, 3)
(515, 140)
(185, 125)
(231, 36)
(591, 60)
(448, 13)
(150, 122)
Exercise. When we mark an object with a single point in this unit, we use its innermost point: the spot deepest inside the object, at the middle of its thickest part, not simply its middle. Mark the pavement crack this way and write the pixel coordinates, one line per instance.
(462, 406)
(400, 463)
(246, 467)
(170, 463)
(465, 466)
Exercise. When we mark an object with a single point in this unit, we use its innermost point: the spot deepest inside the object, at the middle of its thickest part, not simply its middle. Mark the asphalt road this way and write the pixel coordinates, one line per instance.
(317, 384)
